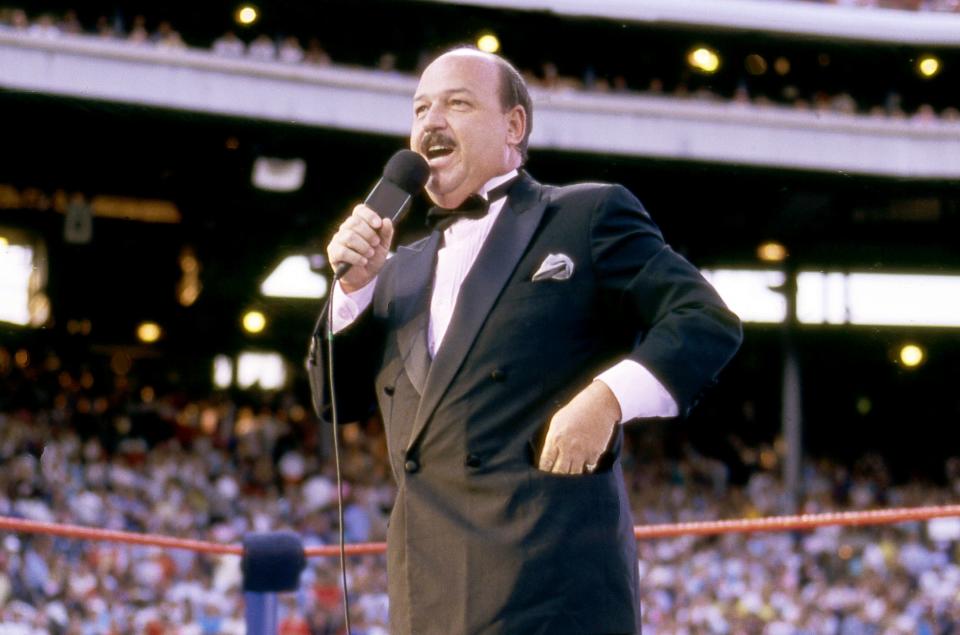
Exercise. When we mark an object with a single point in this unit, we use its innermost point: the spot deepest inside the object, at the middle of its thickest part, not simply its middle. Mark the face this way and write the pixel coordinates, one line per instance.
(460, 127)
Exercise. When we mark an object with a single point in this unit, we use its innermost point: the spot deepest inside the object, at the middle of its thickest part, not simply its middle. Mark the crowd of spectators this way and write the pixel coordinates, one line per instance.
(288, 50)
(84, 445)
(901, 5)
(881, 580)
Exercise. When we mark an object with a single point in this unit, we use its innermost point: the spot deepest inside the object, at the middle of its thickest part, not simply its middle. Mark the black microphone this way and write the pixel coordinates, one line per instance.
(404, 175)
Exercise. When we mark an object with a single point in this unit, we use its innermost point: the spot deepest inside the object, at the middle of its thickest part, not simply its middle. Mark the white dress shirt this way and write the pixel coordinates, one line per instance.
(639, 393)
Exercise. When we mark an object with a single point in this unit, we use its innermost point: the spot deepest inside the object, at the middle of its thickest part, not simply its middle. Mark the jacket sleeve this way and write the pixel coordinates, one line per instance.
(685, 334)
(356, 355)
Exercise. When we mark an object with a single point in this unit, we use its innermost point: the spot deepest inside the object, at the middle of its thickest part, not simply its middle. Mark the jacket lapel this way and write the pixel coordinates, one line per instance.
(413, 290)
(499, 256)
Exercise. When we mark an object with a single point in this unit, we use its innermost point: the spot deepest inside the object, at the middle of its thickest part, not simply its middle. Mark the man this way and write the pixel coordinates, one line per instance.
(504, 350)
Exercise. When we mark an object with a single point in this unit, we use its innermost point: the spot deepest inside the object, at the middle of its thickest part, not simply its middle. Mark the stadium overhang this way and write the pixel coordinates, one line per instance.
(574, 121)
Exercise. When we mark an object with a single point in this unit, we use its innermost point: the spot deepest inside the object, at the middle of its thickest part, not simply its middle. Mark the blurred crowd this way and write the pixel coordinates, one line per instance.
(902, 5)
(288, 49)
(92, 446)
(96, 445)
(879, 580)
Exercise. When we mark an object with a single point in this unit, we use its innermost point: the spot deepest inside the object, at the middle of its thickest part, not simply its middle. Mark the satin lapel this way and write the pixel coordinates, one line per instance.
(412, 301)
(507, 242)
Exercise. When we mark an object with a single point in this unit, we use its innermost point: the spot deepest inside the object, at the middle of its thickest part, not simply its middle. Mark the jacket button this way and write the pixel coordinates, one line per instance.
(411, 466)
(497, 375)
(388, 391)
(473, 460)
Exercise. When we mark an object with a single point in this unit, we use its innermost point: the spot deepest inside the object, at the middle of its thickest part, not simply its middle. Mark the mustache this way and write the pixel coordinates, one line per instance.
(434, 138)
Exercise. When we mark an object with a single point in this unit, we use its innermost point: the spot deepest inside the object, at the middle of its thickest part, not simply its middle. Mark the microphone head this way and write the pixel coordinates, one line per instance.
(408, 170)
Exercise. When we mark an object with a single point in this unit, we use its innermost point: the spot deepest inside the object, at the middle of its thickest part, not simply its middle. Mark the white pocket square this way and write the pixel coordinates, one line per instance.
(554, 267)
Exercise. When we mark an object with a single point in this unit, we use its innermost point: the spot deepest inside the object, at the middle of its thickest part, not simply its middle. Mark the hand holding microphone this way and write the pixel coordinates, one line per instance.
(360, 246)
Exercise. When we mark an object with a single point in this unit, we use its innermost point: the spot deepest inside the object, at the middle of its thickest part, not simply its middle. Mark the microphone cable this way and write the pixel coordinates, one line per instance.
(334, 422)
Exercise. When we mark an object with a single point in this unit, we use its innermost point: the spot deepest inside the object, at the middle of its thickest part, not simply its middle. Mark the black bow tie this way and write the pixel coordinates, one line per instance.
(475, 206)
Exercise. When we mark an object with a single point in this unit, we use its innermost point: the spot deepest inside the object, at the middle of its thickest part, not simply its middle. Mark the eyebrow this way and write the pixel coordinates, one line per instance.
(446, 93)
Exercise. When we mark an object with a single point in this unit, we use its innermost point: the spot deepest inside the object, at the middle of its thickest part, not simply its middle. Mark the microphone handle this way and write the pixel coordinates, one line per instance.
(388, 200)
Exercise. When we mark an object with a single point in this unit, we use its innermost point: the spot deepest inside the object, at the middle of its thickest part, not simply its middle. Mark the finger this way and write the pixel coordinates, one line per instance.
(357, 243)
(338, 254)
(559, 459)
(368, 215)
(351, 258)
(595, 460)
(386, 237)
(564, 465)
(571, 458)
(360, 226)
(548, 455)
(386, 233)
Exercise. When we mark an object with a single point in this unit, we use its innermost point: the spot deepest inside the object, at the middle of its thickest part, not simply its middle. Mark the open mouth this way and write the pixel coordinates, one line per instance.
(435, 146)
(438, 150)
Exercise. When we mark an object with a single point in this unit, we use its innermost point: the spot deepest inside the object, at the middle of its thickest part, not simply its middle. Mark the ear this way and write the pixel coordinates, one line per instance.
(516, 125)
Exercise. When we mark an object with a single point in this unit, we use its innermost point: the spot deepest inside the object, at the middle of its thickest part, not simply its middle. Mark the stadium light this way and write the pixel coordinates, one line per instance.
(188, 261)
(189, 286)
(79, 327)
(278, 175)
(254, 322)
(704, 59)
(822, 297)
(222, 371)
(928, 66)
(247, 15)
(38, 306)
(266, 369)
(911, 355)
(838, 297)
(149, 332)
(772, 251)
(920, 300)
(188, 293)
(293, 278)
(16, 267)
(755, 64)
(781, 65)
(488, 43)
(751, 294)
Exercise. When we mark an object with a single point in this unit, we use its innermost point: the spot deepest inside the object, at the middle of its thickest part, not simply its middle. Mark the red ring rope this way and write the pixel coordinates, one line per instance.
(790, 523)
(706, 528)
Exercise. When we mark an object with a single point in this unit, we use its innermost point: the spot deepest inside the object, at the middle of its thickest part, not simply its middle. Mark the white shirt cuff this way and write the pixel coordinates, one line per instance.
(347, 306)
(641, 395)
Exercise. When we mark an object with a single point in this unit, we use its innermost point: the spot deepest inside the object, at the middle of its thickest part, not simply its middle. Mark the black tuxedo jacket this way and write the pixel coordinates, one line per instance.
(480, 541)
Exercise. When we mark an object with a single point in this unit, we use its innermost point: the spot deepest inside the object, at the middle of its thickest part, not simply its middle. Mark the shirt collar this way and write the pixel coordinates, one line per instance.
(495, 181)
